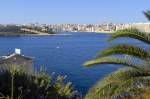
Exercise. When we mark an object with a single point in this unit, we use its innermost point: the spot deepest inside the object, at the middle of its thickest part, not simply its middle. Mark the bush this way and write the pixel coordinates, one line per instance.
(18, 84)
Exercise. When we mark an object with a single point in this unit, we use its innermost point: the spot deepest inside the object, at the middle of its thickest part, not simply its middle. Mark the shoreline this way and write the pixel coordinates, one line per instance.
(13, 35)
(46, 34)
(107, 32)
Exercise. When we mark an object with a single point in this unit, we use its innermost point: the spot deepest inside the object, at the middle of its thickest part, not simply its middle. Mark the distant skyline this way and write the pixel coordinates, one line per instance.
(73, 11)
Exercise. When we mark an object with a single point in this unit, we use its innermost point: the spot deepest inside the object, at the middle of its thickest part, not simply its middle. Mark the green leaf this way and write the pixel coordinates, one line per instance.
(132, 33)
(147, 15)
(126, 49)
(118, 83)
(113, 60)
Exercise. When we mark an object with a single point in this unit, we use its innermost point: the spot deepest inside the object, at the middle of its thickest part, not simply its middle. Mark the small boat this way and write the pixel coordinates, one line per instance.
(57, 47)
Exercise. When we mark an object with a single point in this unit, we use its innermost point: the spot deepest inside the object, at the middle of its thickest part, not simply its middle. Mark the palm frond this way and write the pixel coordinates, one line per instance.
(147, 15)
(131, 33)
(113, 60)
(127, 50)
(119, 83)
(131, 81)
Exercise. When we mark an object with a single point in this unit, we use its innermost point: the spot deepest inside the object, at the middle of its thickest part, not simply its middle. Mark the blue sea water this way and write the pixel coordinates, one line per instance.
(65, 55)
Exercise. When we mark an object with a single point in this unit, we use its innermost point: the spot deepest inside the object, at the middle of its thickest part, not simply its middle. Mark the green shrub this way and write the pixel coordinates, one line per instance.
(18, 84)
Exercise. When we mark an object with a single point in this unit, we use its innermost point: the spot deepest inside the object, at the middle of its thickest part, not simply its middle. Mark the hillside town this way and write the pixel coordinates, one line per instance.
(99, 28)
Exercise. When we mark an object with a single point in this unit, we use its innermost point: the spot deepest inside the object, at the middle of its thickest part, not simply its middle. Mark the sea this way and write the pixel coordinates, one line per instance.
(66, 54)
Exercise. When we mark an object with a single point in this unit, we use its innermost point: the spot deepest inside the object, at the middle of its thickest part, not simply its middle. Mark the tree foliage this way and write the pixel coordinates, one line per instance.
(18, 84)
(131, 82)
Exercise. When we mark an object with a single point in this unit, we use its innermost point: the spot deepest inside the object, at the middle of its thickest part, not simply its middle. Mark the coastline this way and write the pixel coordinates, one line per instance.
(45, 34)
(2, 34)
(11, 34)
(107, 32)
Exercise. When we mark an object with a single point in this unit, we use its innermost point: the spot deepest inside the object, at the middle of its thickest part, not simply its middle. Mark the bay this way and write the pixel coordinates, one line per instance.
(65, 55)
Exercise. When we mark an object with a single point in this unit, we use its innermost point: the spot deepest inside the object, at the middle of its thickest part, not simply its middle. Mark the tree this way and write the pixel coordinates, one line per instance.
(132, 81)
(17, 83)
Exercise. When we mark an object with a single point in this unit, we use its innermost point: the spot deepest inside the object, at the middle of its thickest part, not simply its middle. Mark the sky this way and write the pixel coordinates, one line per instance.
(73, 11)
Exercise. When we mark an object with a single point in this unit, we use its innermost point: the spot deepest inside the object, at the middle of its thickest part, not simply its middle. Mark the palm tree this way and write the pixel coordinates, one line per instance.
(130, 81)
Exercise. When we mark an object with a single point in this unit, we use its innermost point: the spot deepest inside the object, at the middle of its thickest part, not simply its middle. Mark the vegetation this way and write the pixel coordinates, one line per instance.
(45, 29)
(130, 82)
(9, 28)
(18, 84)
(13, 30)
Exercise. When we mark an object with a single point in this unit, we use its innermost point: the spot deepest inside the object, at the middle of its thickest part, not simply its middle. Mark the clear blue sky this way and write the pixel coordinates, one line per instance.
(72, 11)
